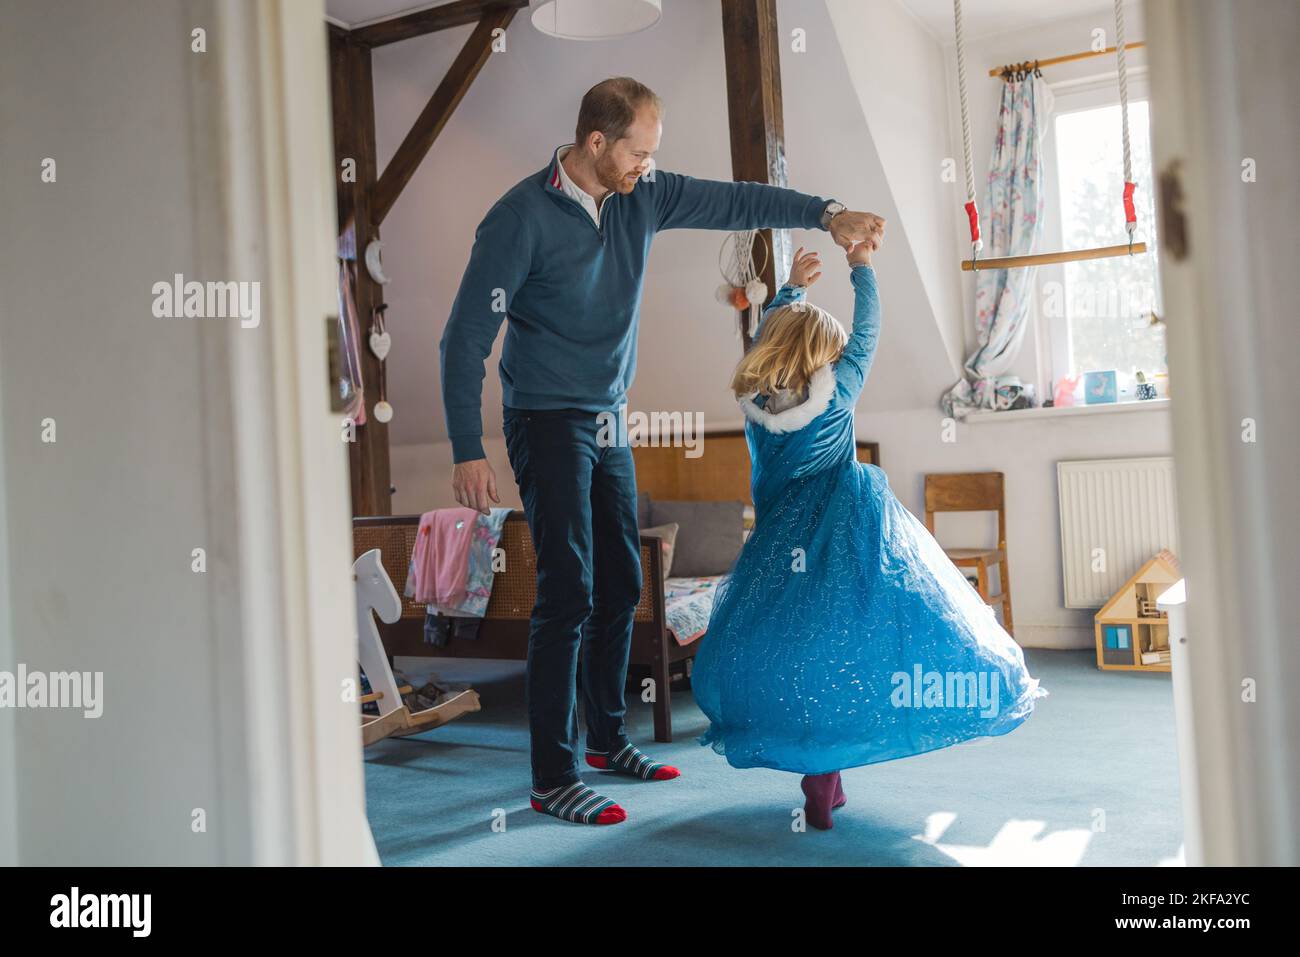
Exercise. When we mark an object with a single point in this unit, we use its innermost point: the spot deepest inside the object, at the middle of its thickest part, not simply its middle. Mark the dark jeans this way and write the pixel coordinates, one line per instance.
(580, 497)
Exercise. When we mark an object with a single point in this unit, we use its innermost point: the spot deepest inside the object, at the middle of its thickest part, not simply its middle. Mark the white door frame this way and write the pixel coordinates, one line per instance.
(1224, 89)
(274, 204)
(8, 736)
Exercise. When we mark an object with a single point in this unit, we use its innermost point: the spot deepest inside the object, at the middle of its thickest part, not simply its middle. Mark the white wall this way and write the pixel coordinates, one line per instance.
(422, 474)
(870, 110)
(8, 742)
(172, 435)
(827, 131)
(524, 103)
(911, 445)
(1026, 450)
(898, 73)
(1226, 88)
(118, 500)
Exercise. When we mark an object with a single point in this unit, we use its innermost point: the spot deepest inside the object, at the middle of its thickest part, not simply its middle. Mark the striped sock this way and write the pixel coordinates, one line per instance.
(577, 803)
(628, 760)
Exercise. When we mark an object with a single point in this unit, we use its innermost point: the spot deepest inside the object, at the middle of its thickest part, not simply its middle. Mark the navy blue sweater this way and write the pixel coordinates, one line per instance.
(572, 291)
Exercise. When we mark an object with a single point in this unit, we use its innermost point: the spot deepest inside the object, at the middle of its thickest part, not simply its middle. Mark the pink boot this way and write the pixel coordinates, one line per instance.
(821, 791)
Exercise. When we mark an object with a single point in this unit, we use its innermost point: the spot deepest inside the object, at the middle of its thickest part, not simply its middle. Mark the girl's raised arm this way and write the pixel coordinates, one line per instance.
(855, 362)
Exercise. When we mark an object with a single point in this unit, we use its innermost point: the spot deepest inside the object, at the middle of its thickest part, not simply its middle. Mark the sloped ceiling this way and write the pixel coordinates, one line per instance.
(982, 18)
(897, 72)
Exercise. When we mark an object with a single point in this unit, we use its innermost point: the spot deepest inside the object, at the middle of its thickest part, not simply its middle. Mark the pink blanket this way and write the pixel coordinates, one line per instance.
(440, 558)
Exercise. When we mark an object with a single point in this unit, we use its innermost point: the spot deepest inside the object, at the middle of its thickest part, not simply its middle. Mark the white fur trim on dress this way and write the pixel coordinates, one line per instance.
(820, 389)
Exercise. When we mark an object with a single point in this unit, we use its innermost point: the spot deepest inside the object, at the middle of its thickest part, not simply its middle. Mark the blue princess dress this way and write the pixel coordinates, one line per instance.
(843, 635)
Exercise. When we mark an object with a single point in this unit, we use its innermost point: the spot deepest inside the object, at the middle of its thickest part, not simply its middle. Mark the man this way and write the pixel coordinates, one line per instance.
(563, 255)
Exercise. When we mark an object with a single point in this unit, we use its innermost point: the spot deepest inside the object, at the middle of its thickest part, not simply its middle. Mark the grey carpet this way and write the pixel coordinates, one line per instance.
(1090, 779)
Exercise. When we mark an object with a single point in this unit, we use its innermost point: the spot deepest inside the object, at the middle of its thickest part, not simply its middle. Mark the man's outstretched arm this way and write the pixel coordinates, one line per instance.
(684, 202)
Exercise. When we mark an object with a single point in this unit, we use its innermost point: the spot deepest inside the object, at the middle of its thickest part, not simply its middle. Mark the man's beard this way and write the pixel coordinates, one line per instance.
(611, 177)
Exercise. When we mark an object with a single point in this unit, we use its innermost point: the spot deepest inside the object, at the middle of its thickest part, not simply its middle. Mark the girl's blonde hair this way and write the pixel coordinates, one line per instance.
(796, 340)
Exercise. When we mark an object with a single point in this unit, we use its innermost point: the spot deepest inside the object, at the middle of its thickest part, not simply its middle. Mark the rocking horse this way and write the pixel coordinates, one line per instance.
(377, 596)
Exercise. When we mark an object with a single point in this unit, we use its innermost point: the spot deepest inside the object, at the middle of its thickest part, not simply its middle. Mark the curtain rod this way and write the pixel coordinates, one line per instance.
(1052, 61)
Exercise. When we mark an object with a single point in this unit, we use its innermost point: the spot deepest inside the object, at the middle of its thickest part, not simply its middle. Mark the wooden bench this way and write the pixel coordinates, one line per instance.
(503, 633)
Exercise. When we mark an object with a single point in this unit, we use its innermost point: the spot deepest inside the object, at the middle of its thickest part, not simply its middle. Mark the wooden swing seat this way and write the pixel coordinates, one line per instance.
(1042, 259)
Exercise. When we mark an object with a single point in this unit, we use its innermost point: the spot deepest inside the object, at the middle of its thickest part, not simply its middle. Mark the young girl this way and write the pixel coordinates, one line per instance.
(843, 636)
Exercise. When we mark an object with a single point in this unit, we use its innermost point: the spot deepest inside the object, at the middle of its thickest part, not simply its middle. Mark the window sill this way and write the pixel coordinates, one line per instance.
(1018, 415)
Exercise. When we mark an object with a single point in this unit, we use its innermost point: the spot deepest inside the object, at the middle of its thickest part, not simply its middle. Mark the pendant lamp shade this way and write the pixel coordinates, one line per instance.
(594, 19)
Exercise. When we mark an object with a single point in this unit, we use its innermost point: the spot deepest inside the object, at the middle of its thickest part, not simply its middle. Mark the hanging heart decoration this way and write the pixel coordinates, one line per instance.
(380, 343)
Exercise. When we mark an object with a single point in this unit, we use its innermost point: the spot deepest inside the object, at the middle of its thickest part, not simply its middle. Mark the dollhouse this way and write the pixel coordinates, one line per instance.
(1132, 633)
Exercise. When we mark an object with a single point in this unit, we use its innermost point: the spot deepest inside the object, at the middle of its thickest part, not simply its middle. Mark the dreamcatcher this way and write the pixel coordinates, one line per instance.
(743, 290)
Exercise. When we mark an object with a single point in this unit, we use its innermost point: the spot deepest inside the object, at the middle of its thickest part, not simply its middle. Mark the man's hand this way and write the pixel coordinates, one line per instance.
(473, 482)
(848, 228)
(806, 269)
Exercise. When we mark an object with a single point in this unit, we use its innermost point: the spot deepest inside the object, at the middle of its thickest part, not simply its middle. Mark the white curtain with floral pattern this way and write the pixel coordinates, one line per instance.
(1011, 225)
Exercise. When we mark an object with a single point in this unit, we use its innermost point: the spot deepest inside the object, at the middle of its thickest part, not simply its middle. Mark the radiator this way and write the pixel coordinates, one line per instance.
(1126, 508)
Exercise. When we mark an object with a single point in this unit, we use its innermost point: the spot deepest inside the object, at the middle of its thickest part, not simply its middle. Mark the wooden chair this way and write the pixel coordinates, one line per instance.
(975, 492)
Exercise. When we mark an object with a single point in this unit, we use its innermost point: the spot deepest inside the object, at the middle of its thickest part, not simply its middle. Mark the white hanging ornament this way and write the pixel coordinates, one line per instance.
(756, 293)
(373, 264)
(380, 344)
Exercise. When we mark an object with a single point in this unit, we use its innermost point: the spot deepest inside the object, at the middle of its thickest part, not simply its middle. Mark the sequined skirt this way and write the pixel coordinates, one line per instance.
(844, 636)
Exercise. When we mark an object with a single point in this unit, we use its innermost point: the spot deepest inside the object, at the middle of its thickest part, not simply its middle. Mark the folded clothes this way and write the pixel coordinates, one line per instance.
(440, 557)
(475, 588)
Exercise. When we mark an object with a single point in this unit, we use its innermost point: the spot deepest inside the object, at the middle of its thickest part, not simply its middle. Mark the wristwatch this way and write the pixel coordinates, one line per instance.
(829, 212)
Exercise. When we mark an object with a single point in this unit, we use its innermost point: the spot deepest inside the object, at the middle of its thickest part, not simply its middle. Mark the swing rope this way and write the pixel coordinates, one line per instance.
(1130, 211)
(972, 211)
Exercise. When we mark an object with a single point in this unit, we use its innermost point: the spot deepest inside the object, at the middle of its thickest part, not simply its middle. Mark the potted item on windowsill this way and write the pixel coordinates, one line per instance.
(1145, 390)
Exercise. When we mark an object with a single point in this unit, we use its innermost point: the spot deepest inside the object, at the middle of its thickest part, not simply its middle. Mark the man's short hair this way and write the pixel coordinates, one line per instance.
(610, 106)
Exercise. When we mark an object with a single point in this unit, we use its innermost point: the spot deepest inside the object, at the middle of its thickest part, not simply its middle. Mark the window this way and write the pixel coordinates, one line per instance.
(1097, 313)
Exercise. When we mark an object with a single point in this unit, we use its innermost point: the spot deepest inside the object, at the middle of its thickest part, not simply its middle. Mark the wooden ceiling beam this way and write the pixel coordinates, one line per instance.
(753, 64)
(437, 112)
(432, 20)
(363, 203)
(353, 105)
